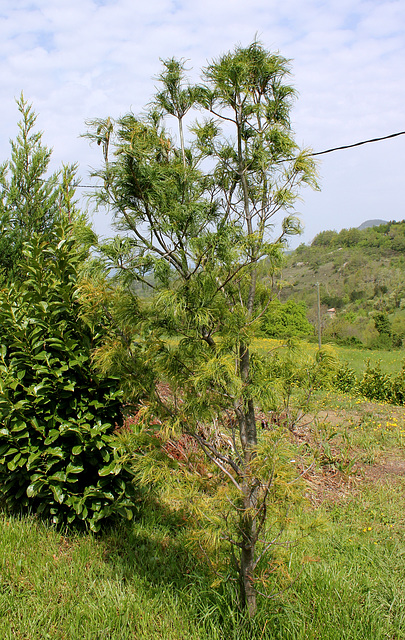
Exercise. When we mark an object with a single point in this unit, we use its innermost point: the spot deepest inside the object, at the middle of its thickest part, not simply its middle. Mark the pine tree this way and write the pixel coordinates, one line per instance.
(196, 220)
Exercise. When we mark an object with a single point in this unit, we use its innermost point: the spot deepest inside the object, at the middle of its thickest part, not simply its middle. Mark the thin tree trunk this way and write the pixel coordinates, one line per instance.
(183, 151)
(247, 521)
(248, 530)
(247, 422)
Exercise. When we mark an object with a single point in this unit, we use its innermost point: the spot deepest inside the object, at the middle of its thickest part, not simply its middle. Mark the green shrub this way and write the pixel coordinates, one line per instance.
(335, 301)
(382, 323)
(398, 387)
(398, 331)
(58, 453)
(286, 320)
(383, 341)
(375, 384)
(345, 379)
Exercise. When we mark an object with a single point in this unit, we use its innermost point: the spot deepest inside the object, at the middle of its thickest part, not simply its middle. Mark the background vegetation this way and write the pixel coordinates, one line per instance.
(360, 272)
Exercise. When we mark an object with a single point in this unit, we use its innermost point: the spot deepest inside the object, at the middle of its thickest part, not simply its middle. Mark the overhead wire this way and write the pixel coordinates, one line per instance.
(357, 144)
(313, 153)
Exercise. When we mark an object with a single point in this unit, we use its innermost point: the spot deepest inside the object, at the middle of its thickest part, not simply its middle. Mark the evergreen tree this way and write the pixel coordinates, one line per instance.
(195, 222)
(58, 453)
(31, 201)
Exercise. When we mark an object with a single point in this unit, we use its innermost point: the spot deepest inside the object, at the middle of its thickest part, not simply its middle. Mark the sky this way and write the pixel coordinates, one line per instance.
(78, 60)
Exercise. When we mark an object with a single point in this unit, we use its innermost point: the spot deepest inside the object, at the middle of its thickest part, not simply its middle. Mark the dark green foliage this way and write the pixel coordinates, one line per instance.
(398, 331)
(398, 387)
(286, 320)
(58, 454)
(332, 301)
(345, 379)
(31, 200)
(356, 295)
(350, 341)
(375, 384)
(382, 323)
(383, 326)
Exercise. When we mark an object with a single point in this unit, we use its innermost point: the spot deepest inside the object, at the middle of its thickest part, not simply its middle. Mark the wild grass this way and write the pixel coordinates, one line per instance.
(82, 587)
(391, 361)
(142, 581)
(126, 583)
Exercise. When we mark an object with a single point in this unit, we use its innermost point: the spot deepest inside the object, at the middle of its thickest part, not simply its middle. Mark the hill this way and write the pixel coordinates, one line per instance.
(360, 274)
(371, 223)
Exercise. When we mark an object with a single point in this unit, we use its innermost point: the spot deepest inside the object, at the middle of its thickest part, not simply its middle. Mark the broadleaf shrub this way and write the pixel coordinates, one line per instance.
(58, 452)
(286, 320)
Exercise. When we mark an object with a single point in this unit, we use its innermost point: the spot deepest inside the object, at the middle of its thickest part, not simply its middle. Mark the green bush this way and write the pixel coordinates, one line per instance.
(58, 452)
(398, 387)
(383, 341)
(382, 323)
(286, 320)
(375, 384)
(345, 379)
(335, 301)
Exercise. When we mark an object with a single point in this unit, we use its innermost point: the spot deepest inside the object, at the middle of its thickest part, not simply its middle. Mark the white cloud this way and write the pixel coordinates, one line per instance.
(87, 58)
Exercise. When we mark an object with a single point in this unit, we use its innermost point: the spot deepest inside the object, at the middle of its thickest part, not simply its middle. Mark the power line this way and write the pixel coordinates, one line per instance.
(315, 153)
(357, 144)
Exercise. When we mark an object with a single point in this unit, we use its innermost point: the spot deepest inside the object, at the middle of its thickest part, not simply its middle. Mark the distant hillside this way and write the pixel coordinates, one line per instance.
(360, 272)
(371, 223)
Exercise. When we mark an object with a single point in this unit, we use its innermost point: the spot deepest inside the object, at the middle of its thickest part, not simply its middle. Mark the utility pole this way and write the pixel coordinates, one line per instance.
(319, 317)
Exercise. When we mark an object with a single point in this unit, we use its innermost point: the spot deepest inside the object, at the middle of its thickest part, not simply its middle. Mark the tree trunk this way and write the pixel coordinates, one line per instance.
(247, 522)
(248, 529)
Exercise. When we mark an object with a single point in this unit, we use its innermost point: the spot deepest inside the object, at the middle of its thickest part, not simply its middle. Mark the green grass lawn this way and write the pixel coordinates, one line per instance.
(141, 581)
(127, 583)
(391, 361)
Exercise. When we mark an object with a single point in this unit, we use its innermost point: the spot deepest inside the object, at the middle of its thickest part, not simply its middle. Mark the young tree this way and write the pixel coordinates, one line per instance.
(196, 221)
(31, 201)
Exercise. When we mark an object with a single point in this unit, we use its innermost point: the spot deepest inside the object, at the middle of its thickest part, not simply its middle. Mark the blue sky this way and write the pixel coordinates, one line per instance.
(80, 59)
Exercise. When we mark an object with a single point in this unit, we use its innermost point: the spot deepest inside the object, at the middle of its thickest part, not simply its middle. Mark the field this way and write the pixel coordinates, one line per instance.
(390, 361)
(141, 581)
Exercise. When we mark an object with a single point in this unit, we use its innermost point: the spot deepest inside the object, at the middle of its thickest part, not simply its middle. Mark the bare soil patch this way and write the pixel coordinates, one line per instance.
(329, 484)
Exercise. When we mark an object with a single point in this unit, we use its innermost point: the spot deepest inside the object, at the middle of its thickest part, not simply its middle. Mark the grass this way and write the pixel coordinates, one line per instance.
(391, 361)
(82, 587)
(119, 585)
(141, 581)
(354, 587)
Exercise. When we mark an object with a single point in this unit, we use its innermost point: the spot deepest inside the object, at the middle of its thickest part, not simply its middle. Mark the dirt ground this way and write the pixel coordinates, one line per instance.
(329, 484)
